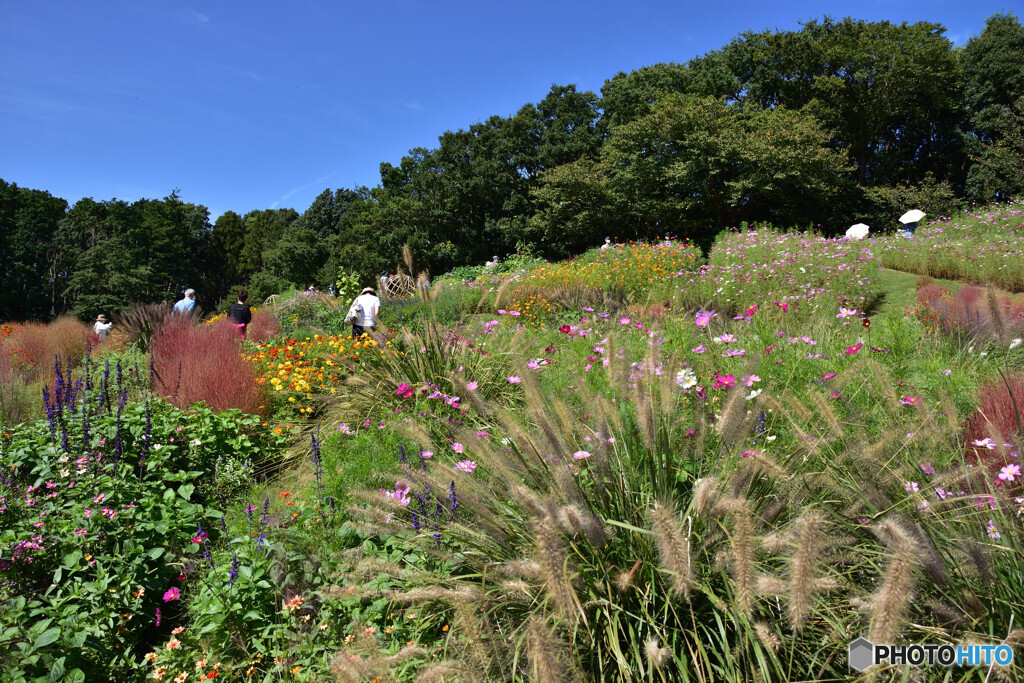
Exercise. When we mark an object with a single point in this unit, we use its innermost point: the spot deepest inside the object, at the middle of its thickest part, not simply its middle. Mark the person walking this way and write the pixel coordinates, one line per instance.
(187, 303)
(363, 312)
(240, 314)
(101, 327)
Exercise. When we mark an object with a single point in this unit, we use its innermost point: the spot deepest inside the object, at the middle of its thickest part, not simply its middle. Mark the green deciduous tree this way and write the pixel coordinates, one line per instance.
(692, 167)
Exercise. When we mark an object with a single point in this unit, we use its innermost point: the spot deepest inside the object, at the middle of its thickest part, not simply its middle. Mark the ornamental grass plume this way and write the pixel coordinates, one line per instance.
(804, 567)
(673, 549)
(547, 653)
(557, 570)
(890, 602)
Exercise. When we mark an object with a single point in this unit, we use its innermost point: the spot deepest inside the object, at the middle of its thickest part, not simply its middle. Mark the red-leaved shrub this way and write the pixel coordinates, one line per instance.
(997, 419)
(31, 348)
(976, 313)
(204, 363)
(264, 326)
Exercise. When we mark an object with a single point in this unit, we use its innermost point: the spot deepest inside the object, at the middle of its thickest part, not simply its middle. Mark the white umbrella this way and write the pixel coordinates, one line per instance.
(858, 231)
(912, 216)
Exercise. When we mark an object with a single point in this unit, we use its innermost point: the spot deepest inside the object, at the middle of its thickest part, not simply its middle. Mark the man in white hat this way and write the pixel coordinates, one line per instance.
(101, 327)
(363, 313)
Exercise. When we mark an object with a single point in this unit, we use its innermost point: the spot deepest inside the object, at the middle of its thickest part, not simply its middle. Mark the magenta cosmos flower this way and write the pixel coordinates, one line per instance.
(172, 594)
(704, 317)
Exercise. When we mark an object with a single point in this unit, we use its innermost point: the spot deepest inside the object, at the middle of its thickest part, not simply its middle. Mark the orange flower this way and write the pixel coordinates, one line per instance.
(284, 494)
(290, 502)
(173, 644)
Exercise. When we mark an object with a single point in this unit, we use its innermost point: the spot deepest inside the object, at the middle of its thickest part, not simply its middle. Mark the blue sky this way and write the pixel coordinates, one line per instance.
(259, 104)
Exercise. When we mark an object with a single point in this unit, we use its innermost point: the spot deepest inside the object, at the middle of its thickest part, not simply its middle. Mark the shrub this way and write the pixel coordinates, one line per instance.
(204, 363)
(97, 530)
(974, 314)
(923, 281)
(264, 326)
(998, 421)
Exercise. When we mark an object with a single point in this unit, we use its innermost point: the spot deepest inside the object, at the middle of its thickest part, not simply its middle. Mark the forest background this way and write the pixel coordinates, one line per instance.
(839, 122)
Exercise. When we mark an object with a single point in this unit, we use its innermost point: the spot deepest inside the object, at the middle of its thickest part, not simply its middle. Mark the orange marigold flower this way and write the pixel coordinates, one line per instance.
(284, 494)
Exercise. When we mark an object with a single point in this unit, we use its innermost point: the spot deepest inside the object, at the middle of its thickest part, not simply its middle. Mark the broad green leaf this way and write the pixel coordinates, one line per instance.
(46, 638)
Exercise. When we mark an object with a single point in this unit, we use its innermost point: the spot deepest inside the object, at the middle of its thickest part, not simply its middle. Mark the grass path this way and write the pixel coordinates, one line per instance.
(899, 289)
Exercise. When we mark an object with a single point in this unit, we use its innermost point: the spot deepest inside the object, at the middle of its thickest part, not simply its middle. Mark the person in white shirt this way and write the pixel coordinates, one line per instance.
(364, 312)
(102, 327)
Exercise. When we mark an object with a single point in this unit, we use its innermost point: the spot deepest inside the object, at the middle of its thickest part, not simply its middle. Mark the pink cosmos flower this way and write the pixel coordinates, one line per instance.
(784, 307)
(624, 321)
(533, 365)
(725, 338)
(471, 385)
(748, 453)
(828, 375)
(749, 380)
(458, 447)
(911, 487)
(515, 379)
(581, 455)
(700, 349)
(852, 350)
(846, 312)
(467, 466)
(993, 533)
(1009, 473)
(172, 594)
(734, 352)
(704, 317)
(985, 443)
(910, 400)
(723, 382)
(514, 313)
(426, 454)
(502, 311)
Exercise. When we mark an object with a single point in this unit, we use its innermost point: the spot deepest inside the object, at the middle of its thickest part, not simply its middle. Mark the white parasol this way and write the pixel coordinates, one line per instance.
(858, 231)
(912, 216)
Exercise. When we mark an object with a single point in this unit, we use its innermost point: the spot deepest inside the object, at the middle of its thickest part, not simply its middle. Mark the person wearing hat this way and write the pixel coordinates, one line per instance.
(102, 327)
(364, 311)
(607, 243)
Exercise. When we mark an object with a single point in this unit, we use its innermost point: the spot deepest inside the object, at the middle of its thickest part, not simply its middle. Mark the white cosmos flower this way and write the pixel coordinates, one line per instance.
(1014, 343)
(753, 394)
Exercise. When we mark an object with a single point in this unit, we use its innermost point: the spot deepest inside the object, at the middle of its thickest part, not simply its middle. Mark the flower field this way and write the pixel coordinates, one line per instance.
(980, 246)
(635, 465)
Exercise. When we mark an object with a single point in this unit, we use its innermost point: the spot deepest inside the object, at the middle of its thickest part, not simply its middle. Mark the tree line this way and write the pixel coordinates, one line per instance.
(838, 122)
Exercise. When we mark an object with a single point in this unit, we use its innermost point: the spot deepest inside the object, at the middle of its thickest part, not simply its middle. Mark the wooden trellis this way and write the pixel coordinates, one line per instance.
(397, 285)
